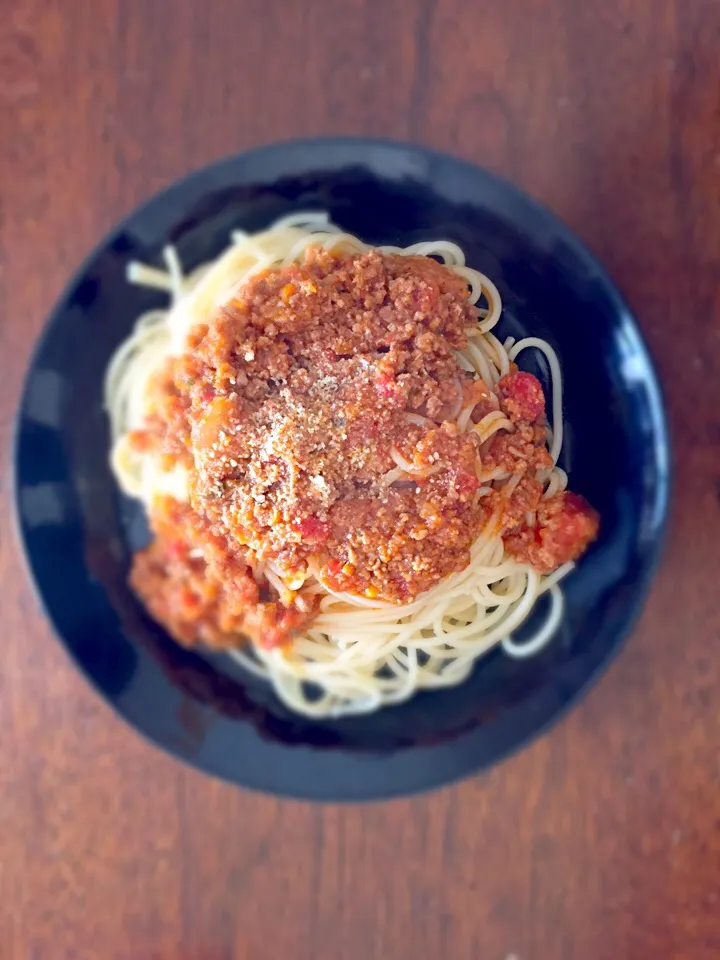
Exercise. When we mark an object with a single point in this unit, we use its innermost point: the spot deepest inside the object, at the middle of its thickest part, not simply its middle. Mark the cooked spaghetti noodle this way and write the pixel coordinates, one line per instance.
(343, 637)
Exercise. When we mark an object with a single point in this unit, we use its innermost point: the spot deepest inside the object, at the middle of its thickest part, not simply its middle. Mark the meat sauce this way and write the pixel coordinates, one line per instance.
(208, 594)
(316, 414)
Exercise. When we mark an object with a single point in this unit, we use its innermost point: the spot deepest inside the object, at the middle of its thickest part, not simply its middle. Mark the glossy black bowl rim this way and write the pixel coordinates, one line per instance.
(661, 506)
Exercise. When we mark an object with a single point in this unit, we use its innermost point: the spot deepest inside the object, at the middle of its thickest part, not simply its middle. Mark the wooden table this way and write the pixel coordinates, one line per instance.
(600, 842)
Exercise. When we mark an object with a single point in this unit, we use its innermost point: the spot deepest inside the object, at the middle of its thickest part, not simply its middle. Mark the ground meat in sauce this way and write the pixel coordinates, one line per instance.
(202, 590)
(565, 525)
(291, 409)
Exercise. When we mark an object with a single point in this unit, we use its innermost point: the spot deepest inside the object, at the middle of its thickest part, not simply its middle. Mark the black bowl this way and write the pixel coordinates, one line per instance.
(78, 532)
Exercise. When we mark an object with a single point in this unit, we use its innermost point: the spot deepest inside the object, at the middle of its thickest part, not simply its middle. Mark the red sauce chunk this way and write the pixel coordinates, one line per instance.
(522, 397)
(316, 414)
(566, 526)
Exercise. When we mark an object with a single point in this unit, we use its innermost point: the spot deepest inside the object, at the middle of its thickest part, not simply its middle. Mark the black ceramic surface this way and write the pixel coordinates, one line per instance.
(78, 532)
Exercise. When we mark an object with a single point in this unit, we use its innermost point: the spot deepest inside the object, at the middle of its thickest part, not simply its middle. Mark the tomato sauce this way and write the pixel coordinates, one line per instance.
(317, 414)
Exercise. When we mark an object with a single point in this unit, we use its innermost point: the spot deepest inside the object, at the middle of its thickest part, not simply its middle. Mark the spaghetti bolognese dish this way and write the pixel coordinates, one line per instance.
(352, 487)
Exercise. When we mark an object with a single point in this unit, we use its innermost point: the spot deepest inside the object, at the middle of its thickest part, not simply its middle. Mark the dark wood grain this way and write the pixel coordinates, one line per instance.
(600, 842)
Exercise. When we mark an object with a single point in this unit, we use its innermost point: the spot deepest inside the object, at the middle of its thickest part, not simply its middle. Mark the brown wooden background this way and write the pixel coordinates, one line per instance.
(602, 841)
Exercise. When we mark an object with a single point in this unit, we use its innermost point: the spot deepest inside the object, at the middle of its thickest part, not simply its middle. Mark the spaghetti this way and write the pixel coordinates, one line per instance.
(346, 637)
